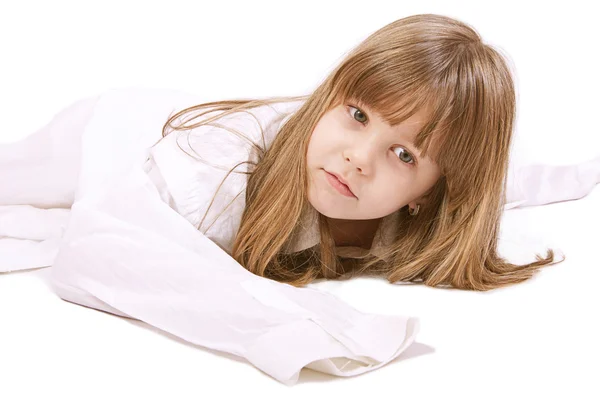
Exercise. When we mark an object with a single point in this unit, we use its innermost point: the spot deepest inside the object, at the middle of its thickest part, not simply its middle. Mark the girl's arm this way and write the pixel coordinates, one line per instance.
(42, 169)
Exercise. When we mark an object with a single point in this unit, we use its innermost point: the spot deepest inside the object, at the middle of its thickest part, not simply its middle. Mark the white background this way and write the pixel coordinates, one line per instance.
(54, 52)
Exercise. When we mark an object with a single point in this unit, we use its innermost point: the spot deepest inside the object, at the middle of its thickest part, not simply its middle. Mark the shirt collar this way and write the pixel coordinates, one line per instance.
(307, 234)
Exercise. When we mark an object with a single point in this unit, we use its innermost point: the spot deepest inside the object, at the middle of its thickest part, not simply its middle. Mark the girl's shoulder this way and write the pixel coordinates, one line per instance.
(191, 168)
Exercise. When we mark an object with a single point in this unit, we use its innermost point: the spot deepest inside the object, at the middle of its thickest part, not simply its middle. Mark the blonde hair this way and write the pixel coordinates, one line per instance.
(419, 61)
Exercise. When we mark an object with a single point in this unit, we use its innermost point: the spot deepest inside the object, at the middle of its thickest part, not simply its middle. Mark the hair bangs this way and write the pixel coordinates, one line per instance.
(395, 97)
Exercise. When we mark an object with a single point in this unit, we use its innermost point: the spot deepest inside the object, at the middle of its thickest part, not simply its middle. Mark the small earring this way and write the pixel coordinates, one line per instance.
(414, 212)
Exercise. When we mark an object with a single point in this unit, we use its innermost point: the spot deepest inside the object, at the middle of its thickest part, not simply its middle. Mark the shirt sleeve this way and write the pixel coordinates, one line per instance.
(133, 248)
(128, 253)
(539, 184)
(190, 172)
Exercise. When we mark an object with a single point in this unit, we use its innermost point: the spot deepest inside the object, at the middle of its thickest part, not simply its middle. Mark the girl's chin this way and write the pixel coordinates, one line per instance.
(330, 211)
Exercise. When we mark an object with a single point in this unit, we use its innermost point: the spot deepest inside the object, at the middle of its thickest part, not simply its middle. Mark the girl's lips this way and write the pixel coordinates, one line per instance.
(338, 185)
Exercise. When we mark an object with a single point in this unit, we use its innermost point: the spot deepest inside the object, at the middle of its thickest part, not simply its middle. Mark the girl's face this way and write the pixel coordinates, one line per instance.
(380, 165)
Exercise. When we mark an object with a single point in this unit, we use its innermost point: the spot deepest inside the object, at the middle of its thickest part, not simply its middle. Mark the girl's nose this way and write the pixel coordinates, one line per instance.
(362, 156)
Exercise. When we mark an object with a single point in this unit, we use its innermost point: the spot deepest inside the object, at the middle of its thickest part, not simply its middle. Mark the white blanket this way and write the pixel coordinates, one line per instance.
(122, 249)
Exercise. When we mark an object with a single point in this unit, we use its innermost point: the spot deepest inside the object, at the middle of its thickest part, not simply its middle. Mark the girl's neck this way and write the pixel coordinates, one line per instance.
(359, 233)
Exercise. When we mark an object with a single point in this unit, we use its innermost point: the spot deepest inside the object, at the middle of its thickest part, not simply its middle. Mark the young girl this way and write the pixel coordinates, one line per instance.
(396, 165)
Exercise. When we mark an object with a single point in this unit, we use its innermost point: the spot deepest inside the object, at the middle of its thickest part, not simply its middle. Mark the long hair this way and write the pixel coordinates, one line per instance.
(419, 61)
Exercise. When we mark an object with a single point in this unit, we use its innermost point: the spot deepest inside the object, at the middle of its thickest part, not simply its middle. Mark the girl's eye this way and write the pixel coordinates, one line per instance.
(405, 156)
(358, 115)
(361, 117)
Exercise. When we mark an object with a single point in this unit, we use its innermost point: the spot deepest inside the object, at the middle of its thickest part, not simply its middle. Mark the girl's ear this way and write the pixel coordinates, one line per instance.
(421, 200)
(414, 203)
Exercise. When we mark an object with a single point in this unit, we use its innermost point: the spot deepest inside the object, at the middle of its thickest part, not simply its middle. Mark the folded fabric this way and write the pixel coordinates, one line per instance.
(151, 264)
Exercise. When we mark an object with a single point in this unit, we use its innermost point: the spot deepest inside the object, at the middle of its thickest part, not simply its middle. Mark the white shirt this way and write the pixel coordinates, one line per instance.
(131, 247)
